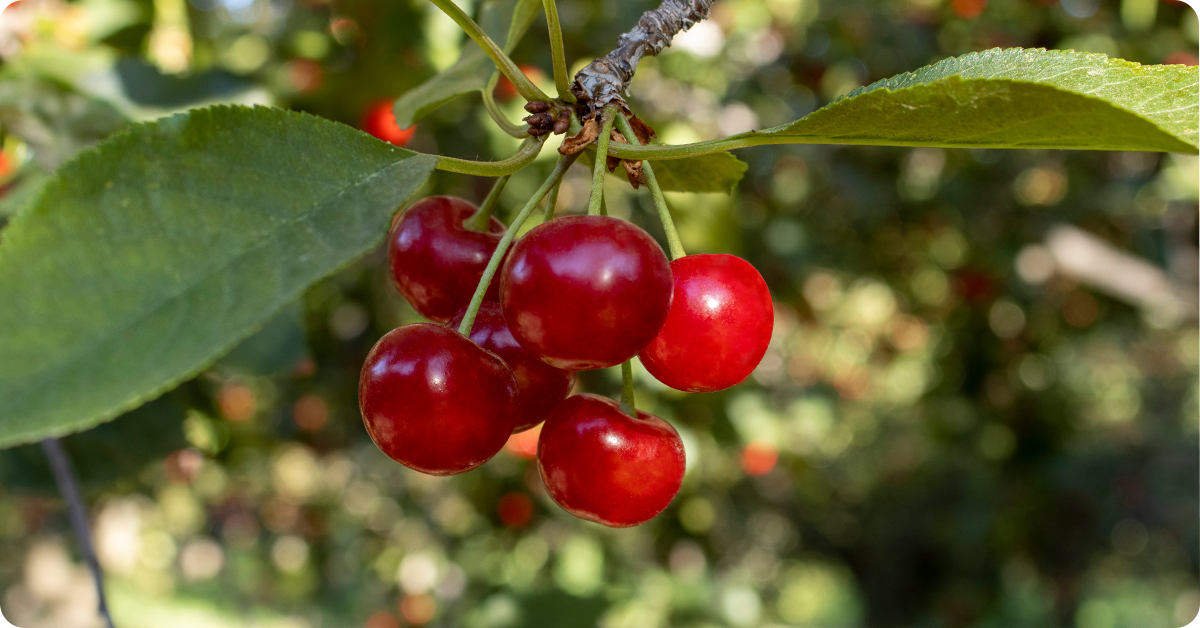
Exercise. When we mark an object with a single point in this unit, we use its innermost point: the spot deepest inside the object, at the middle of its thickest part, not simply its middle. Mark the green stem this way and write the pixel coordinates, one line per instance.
(561, 82)
(683, 151)
(524, 86)
(480, 220)
(501, 120)
(552, 202)
(776, 135)
(660, 201)
(523, 157)
(594, 202)
(627, 405)
(494, 263)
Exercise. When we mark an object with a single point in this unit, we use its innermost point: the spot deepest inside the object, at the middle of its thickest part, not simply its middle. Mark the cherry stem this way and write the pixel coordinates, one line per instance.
(523, 157)
(501, 120)
(494, 263)
(559, 58)
(627, 405)
(660, 201)
(524, 86)
(552, 202)
(607, 117)
(481, 219)
(64, 476)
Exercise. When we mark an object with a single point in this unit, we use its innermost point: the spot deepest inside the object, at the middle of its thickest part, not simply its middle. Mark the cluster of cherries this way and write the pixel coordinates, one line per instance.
(575, 293)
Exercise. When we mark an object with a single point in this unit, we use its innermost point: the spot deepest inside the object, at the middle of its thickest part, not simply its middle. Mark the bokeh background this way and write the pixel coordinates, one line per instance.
(979, 408)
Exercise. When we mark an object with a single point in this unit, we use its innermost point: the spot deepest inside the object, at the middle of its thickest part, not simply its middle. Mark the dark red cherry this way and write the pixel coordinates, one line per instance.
(603, 465)
(540, 386)
(585, 292)
(434, 401)
(718, 328)
(436, 263)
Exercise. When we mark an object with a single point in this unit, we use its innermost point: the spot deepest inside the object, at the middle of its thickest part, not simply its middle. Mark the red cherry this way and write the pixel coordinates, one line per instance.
(585, 292)
(718, 328)
(540, 386)
(380, 121)
(436, 262)
(603, 465)
(434, 401)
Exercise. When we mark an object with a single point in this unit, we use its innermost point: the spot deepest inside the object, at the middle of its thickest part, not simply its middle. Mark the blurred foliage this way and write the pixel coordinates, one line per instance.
(950, 429)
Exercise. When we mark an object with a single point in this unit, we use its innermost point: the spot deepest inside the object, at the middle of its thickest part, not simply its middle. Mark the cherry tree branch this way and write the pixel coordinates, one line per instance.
(606, 80)
(64, 476)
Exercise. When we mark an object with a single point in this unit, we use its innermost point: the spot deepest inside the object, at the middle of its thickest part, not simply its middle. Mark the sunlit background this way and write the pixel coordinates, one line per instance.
(979, 408)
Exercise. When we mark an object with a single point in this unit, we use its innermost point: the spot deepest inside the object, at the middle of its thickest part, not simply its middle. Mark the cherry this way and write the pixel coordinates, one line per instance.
(434, 401)
(718, 328)
(540, 386)
(585, 292)
(603, 465)
(436, 262)
(380, 121)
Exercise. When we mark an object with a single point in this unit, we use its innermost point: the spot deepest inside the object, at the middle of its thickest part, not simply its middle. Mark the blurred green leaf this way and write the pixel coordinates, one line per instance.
(23, 190)
(102, 454)
(468, 75)
(273, 350)
(718, 172)
(561, 610)
(187, 235)
(56, 122)
(146, 86)
(1018, 98)
(473, 69)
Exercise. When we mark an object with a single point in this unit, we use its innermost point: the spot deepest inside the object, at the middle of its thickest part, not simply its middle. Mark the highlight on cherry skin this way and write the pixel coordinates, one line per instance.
(601, 464)
(435, 261)
(436, 402)
(718, 328)
(585, 292)
(540, 387)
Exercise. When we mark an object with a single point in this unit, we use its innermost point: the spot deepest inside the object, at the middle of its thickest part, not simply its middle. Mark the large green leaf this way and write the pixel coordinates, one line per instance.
(718, 172)
(149, 256)
(1018, 99)
(473, 69)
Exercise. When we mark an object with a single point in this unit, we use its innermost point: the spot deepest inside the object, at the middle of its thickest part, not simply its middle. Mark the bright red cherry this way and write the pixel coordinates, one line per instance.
(603, 465)
(434, 401)
(585, 292)
(436, 262)
(380, 121)
(540, 386)
(719, 326)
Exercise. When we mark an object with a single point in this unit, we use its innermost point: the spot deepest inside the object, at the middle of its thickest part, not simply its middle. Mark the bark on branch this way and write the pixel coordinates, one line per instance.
(606, 79)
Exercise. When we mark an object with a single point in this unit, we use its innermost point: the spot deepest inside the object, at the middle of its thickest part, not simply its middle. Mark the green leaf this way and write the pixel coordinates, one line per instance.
(56, 122)
(1017, 98)
(273, 350)
(473, 69)
(102, 454)
(718, 172)
(467, 76)
(146, 258)
(22, 191)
